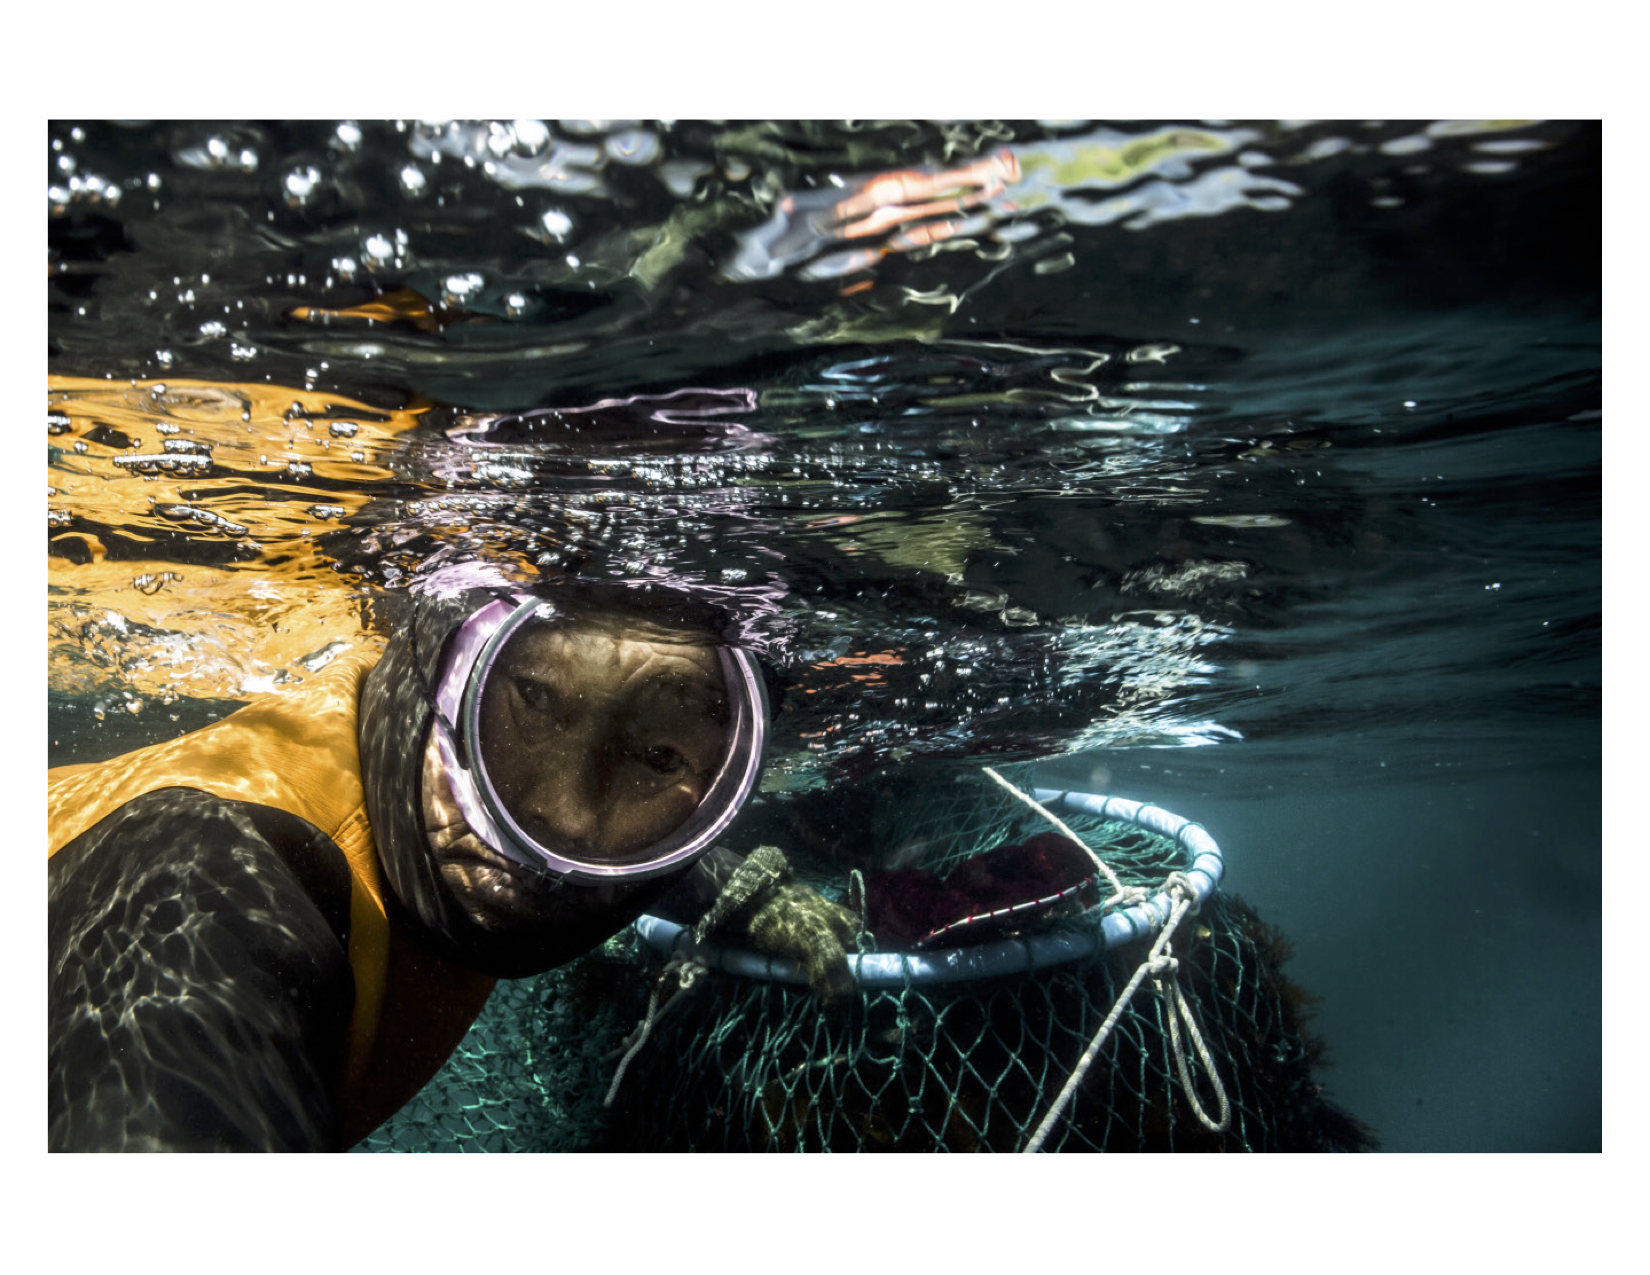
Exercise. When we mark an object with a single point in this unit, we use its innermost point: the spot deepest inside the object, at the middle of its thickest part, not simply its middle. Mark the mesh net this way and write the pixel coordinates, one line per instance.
(531, 1072)
(740, 1064)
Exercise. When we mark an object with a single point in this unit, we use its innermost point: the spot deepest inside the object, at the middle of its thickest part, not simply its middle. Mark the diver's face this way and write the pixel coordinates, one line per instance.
(599, 742)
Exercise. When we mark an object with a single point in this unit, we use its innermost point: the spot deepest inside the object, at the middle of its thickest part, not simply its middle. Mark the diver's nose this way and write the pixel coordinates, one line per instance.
(564, 802)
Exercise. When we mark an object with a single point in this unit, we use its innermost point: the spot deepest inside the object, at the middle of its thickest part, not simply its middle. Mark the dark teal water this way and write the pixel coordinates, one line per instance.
(1254, 470)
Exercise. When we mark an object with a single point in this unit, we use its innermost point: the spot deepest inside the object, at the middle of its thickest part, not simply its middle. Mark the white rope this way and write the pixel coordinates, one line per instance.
(687, 971)
(1181, 1011)
(1125, 894)
(1160, 965)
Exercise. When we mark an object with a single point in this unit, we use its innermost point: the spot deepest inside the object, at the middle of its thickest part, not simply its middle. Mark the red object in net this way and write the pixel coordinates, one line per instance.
(1000, 890)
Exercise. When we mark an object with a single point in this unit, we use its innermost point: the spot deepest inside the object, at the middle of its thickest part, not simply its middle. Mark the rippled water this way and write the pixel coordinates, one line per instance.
(1249, 467)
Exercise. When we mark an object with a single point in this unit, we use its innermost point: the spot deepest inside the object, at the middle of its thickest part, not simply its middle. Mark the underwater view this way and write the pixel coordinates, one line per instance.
(1247, 470)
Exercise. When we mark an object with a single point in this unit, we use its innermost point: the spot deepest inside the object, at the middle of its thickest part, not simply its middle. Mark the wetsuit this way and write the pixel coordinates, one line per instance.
(248, 945)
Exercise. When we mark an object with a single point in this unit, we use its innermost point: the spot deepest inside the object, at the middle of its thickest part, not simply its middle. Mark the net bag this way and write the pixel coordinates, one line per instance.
(954, 1046)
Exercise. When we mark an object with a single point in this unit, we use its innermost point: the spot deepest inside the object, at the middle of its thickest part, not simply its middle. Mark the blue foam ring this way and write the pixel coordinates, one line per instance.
(1019, 954)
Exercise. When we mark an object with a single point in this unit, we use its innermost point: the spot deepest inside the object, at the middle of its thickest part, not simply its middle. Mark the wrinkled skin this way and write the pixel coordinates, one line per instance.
(602, 744)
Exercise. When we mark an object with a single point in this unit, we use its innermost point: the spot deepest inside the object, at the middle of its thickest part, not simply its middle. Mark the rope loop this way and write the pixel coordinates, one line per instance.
(688, 971)
(1180, 1009)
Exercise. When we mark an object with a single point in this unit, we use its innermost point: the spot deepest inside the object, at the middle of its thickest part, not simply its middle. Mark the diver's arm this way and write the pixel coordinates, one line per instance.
(199, 988)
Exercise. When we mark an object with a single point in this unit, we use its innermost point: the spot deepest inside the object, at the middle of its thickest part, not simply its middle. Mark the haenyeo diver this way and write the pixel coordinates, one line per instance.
(271, 932)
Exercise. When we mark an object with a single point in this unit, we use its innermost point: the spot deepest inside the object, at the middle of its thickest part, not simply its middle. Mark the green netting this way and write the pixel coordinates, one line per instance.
(738, 1064)
(744, 1065)
(531, 1072)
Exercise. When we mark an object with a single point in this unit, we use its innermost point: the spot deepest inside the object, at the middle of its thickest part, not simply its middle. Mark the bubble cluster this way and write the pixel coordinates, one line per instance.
(203, 519)
(218, 153)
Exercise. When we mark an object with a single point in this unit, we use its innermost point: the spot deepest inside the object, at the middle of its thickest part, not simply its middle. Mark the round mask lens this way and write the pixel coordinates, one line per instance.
(602, 750)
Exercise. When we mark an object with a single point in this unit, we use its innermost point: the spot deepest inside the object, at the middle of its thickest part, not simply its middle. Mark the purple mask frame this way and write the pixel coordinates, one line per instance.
(465, 667)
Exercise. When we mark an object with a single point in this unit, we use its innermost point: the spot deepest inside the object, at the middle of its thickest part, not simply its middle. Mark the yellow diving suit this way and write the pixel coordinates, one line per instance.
(298, 753)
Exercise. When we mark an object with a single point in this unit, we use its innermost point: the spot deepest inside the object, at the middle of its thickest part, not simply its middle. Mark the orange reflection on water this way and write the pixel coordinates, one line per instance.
(404, 306)
(894, 199)
(183, 520)
(860, 660)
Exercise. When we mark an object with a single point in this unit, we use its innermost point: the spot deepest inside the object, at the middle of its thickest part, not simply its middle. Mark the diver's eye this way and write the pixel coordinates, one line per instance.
(536, 695)
(664, 759)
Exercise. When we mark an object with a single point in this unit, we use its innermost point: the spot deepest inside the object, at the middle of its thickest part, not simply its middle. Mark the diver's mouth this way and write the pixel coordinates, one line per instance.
(493, 891)
(469, 849)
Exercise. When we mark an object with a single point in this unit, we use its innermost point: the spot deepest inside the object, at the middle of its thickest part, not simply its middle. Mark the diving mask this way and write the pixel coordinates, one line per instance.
(592, 754)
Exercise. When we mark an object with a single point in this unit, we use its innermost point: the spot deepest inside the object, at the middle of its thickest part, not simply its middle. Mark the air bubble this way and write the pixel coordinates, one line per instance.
(557, 224)
(501, 138)
(166, 462)
(532, 136)
(349, 135)
(300, 186)
(413, 181)
(153, 582)
(378, 251)
(636, 146)
(456, 289)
